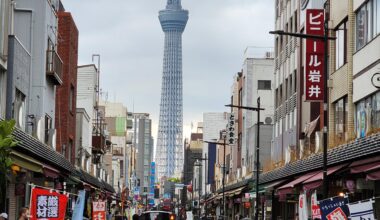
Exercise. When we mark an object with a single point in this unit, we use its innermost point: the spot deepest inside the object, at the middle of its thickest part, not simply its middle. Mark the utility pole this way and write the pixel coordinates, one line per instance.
(257, 164)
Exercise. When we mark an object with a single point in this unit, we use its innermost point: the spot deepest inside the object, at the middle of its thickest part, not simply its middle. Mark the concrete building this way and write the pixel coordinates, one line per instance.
(120, 154)
(255, 81)
(4, 31)
(213, 123)
(88, 100)
(169, 155)
(33, 94)
(65, 115)
(143, 142)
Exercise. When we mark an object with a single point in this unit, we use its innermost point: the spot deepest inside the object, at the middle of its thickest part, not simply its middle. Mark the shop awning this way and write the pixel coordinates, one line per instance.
(50, 172)
(319, 176)
(299, 180)
(373, 175)
(235, 192)
(365, 168)
(26, 162)
(317, 180)
(271, 186)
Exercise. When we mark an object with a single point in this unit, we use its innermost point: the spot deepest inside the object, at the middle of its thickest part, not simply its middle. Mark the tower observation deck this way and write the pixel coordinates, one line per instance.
(169, 150)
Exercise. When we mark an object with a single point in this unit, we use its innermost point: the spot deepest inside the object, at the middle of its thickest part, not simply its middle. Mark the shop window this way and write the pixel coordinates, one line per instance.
(341, 45)
(264, 85)
(367, 22)
(341, 119)
(367, 117)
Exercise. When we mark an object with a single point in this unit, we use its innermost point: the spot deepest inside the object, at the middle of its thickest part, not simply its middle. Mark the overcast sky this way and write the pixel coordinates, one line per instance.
(128, 36)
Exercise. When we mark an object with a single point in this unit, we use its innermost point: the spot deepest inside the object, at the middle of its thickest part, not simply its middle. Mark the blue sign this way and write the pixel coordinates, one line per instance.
(334, 208)
(152, 179)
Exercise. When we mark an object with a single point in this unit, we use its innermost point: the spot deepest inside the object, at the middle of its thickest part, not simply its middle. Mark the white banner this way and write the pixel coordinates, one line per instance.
(302, 207)
(361, 210)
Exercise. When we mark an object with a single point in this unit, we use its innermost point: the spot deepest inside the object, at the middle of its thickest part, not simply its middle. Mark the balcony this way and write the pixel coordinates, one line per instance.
(98, 144)
(54, 67)
(117, 151)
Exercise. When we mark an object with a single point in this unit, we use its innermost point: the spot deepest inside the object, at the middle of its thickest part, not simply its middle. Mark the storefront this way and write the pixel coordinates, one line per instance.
(353, 171)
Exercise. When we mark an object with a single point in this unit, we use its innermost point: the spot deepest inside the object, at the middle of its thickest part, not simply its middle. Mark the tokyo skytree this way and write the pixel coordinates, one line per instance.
(169, 150)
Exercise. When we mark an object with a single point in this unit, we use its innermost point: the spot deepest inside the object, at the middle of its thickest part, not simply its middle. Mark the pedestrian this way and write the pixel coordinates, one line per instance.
(135, 217)
(3, 216)
(23, 214)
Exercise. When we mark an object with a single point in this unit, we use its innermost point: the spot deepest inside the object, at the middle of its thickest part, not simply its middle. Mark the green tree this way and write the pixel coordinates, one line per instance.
(6, 143)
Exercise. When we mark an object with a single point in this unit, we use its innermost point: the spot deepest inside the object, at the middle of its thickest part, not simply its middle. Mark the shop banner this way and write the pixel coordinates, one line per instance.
(315, 52)
(334, 208)
(99, 210)
(315, 210)
(302, 207)
(47, 205)
(79, 205)
(361, 210)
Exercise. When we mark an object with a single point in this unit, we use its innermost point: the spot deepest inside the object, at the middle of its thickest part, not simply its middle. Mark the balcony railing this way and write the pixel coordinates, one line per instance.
(54, 67)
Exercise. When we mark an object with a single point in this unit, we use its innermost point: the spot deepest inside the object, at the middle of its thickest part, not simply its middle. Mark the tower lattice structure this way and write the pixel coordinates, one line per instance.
(169, 150)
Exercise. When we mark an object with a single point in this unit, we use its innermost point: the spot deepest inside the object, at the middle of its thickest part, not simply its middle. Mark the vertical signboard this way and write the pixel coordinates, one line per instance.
(314, 66)
(99, 210)
(152, 180)
(47, 205)
(231, 129)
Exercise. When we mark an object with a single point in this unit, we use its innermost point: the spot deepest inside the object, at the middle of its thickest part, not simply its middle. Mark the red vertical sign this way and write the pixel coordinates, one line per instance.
(47, 205)
(99, 210)
(314, 66)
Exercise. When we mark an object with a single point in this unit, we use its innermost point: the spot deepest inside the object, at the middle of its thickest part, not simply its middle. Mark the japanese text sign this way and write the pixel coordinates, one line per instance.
(46, 204)
(99, 210)
(334, 208)
(231, 129)
(314, 65)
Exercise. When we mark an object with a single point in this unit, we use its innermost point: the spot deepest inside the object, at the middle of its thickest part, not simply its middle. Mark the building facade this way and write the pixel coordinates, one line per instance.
(169, 155)
(65, 114)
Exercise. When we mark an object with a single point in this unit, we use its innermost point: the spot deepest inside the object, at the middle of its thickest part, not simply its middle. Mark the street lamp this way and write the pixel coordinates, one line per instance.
(257, 109)
(224, 169)
(325, 38)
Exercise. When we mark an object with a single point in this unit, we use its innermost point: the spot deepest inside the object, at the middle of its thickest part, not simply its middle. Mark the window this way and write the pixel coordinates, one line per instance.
(264, 84)
(2, 26)
(367, 117)
(341, 119)
(69, 150)
(72, 99)
(19, 111)
(240, 97)
(341, 45)
(121, 168)
(3, 86)
(367, 22)
(48, 126)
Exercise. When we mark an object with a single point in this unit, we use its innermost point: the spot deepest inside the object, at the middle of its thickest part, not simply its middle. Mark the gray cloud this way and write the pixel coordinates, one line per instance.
(129, 38)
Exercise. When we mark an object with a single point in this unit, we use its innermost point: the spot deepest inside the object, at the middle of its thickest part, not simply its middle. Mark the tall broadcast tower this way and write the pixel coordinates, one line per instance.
(169, 150)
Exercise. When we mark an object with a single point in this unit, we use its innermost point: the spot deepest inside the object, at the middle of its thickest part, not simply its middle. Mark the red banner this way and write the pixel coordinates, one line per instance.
(314, 66)
(99, 210)
(47, 205)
